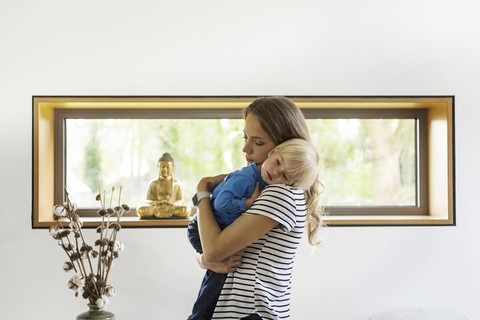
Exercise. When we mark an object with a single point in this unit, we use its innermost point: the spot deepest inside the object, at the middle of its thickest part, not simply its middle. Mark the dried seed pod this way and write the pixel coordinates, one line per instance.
(60, 210)
(54, 232)
(110, 291)
(115, 226)
(68, 246)
(75, 256)
(102, 242)
(67, 266)
(86, 247)
(64, 233)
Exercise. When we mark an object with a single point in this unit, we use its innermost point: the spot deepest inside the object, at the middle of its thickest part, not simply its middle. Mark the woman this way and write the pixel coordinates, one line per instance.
(258, 248)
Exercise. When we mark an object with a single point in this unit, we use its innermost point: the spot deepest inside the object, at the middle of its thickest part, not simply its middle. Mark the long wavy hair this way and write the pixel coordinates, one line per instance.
(283, 120)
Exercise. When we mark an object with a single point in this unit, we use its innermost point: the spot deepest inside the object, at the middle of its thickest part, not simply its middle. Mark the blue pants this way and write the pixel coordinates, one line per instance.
(208, 294)
(193, 235)
(212, 283)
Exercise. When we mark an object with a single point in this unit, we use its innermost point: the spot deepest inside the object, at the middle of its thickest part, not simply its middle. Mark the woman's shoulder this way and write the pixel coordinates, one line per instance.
(283, 190)
(282, 195)
(281, 203)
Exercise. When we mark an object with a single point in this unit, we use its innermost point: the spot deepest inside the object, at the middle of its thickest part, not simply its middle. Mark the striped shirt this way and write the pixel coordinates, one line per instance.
(262, 282)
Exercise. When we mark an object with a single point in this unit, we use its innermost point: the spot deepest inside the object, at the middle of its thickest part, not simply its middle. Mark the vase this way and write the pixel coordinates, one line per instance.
(96, 313)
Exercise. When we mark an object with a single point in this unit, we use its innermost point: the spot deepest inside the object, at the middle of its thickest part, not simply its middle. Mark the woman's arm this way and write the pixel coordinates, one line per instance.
(227, 265)
(220, 244)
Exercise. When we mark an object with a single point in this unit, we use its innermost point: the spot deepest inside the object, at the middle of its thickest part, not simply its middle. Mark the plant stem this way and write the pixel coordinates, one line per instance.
(68, 254)
(80, 264)
(111, 196)
(100, 192)
(95, 286)
(114, 235)
(119, 195)
(100, 249)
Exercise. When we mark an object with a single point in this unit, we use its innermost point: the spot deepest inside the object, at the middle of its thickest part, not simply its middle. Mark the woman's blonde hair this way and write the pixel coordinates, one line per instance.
(302, 162)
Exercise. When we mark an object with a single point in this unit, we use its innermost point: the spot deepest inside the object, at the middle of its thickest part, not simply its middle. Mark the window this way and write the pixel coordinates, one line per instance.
(372, 161)
(386, 160)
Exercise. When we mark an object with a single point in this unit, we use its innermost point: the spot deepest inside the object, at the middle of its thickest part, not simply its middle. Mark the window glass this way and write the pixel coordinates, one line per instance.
(124, 152)
(365, 162)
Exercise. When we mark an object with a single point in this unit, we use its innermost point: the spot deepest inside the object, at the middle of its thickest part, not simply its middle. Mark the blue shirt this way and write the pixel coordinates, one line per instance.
(228, 198)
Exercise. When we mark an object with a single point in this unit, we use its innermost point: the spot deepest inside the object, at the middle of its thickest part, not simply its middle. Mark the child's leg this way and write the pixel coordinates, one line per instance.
(212, 285)
(194, 236)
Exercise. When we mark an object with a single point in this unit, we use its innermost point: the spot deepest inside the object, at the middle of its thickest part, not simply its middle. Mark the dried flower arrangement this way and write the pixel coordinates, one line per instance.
(90, 282)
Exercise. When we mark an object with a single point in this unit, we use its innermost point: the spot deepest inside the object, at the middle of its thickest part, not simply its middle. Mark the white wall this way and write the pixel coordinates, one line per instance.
(342, 47)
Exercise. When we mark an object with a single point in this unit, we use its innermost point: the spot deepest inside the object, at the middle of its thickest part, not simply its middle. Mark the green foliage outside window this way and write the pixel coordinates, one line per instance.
(364, 162)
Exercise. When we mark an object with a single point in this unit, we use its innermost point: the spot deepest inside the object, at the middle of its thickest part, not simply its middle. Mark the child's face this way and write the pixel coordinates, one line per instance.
(257, 143)
(273, 170)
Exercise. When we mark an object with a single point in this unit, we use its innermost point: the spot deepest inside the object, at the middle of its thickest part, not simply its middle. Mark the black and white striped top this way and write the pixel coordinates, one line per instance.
(262, 282)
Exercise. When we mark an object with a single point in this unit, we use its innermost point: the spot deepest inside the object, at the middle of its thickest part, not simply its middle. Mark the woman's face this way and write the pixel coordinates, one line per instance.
(257, 143)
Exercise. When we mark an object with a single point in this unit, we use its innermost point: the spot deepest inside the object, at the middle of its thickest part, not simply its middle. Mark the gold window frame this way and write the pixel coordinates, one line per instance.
(439, 135)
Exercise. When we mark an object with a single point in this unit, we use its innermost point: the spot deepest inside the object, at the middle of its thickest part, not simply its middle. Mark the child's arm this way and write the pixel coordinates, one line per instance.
(234, 195)
(253, 197)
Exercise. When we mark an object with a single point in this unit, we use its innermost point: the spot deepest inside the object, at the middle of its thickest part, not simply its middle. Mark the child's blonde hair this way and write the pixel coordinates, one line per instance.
(303, 164)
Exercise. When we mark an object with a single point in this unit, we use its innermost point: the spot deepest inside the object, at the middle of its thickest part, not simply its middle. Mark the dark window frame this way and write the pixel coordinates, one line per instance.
(420, 115)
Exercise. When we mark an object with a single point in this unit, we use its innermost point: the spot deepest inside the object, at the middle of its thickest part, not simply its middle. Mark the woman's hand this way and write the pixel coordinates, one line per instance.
(209, 183)
(229, 264)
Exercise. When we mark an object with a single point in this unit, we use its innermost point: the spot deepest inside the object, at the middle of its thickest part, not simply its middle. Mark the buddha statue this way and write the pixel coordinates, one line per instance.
(164, 195)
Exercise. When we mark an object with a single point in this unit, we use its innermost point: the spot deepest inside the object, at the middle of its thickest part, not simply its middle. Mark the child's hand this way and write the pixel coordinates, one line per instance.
(209, 183)
(253, 197)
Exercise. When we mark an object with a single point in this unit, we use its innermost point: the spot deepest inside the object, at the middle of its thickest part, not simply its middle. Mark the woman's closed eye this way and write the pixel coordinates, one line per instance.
(255, 141)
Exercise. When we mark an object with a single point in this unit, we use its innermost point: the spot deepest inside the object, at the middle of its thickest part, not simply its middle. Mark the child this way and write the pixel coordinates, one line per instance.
(293, 163)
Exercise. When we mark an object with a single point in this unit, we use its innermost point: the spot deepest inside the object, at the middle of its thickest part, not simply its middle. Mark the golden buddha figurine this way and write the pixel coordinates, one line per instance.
(164, 195)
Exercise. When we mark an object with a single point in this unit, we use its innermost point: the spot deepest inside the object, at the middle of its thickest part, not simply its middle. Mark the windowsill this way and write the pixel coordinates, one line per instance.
(128, 222)
(391, 220)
